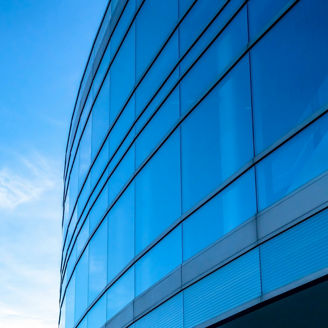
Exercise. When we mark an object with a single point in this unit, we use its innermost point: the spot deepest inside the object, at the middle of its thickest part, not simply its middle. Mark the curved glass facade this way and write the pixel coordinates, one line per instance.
(194, 179)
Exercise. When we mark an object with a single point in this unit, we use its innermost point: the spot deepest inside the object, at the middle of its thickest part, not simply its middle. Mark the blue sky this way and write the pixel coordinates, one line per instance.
(44, 48)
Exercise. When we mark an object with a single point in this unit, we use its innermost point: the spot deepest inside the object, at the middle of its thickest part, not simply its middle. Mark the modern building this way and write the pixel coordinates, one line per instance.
(196, 169)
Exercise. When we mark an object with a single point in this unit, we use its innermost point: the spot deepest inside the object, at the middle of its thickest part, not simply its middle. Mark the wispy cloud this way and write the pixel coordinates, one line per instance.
(26, 184)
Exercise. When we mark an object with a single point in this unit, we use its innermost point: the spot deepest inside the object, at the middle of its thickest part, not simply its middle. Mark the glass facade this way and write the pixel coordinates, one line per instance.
(196, 123)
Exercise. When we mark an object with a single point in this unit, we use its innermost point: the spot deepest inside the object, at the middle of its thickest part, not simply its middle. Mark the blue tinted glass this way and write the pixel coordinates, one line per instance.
(98, 262)
(98, 210)
(97, 315)
(84, 154)
(100, 117)
(159, 261)
(170, 314)
(70, 299)
(83, 197)
(298, 161)
(197, 19)
(73, 186)
(122, 174)
(230, 286)
(99, 164)
(158, 127)
(296, 253)
(261, 13)
(158, 201)
(155, 21)
(226, 10)
(122, 75)
(122, 25)
(83, 324)
(217, 136)
(291, 61)
(218, 57)
(121, 233)
(81, 286)
(158, 72)
(120, 294)
(220, 215)
(82, 237)
(122, 126)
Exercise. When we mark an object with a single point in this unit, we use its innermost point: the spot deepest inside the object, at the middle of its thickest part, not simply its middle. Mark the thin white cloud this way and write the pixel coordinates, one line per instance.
(27, 184)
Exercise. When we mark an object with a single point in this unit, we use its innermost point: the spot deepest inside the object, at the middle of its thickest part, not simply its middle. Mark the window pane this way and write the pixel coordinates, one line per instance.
(122, 75)
(289, 72)
(98, 262)
(220, 215)
(155, 22)
(84, 155)
(81, 286)
(217, 137)
(158, 127)
(97, 315)
(100, 118)
(120, 294)
(261, 13)
(158, 193)
(159, 262)
(218, 57)
(121, 233)
(298, 161)
(158, 72)
(70, 300)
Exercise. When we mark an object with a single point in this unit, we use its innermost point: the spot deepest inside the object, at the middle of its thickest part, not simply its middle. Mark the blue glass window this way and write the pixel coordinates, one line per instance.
(218, 57)
(217, 137)
(70, 306)
(122, 174)
(157, 73)
(158, 127)
(121, 233)
(120, 294)
(84, 154)
(156, 20)
(289, 72)
(99, 209)
(298, 161)
(81, 286)
(159, 261)
(97, 315)
(98, 262)
(158, 201)
(220, 215)
(197, 19)
(100, 117)
(122, 75)
(122, 126)
(261, 13)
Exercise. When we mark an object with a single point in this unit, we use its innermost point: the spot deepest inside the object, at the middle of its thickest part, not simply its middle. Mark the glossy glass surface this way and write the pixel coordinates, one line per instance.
(160, 261)
(298, 161)
(223, 213)
(164, 157)
(295, 68)
(98, 262)
(158, 201)
(120, 294)
(217, 137)
(121, 233)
